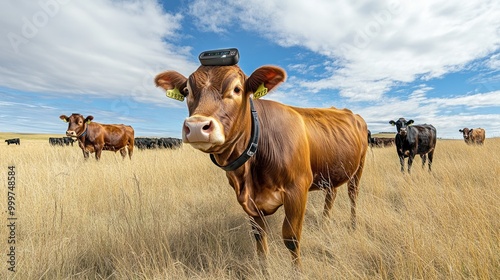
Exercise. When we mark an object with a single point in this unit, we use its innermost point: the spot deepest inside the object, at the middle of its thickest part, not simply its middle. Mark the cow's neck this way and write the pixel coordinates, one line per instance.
(251, 148)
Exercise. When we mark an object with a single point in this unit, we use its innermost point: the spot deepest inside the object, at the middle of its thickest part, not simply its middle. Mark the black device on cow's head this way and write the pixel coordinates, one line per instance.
(222, 57)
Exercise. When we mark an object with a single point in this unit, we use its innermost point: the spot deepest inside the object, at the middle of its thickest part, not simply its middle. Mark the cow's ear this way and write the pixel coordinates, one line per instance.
(173, 83)
(410, 122)
(64, 118)
(393, 123)
(89, 119)
(460, 131)
(264, 79)
(470, 131)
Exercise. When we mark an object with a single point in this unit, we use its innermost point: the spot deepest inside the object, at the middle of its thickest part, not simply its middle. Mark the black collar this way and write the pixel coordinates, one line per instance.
(252, 146)
(84, 133)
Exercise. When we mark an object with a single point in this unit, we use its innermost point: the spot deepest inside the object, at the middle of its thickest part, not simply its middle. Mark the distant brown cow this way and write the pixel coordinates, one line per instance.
(273, 154)
(473, 136)
(95, 137)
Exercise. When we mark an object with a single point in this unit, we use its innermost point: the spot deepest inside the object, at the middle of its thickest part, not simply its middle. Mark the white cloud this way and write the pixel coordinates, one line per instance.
(107, 48)
(494, 61)
(489, 99)
(375, 45)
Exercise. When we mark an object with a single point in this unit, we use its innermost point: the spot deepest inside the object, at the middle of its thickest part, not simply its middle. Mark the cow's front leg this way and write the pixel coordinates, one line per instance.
(410, 162)
(86, 154)
(259, 230)
(402, 163)
(295, 205)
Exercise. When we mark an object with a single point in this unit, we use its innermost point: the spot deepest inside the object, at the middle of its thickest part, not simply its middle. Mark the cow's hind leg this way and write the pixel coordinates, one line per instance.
(123, 152)
(431, 157)
(130, 148)
(98, 152)
(353, 189)
(424, 159)
(331, 194)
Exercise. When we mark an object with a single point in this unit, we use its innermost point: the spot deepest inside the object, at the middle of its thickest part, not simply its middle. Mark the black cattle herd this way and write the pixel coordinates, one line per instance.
(141, 143)
(157, 143)
(410, 140)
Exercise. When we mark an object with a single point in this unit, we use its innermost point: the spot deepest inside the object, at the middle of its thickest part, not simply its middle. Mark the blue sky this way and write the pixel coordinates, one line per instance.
(434, 62)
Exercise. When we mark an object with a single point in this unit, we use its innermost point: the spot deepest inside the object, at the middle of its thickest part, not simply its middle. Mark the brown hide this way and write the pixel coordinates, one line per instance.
(96, 137)
(477, 136)
(299, 149)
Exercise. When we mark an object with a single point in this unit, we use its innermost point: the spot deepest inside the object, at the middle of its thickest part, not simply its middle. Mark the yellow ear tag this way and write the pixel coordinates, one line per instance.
(88, 121)
(64, 120)
(261, 91)
(175, 94)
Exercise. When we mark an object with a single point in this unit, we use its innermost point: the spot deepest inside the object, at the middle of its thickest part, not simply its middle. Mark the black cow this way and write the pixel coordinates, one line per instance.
(13, 141)
(169, 143)
(414, 140)
(146, 143)
(61, 141)
(68, 140)
(56, 141)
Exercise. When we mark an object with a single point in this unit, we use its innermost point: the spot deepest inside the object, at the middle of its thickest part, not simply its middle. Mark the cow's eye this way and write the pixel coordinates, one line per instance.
(237, 90)
(185, 91)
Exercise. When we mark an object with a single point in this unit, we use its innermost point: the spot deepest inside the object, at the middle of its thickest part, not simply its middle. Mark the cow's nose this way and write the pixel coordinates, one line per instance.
(70, 133)
(197, 131)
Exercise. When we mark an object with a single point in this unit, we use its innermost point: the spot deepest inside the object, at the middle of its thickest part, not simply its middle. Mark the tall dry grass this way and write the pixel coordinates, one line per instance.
(170, 214)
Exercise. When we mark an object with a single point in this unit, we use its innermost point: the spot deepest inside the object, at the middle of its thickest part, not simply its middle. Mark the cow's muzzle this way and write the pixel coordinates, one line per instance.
(402, 132)
(71, 133)
(202, 130)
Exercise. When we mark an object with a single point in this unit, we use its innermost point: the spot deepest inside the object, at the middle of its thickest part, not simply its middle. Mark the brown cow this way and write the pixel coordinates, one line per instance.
(298, 149)
(473, 136)
(95, 137)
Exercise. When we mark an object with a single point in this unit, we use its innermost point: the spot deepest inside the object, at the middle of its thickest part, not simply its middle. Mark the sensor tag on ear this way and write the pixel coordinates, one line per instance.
(261, 91)
(175, 94)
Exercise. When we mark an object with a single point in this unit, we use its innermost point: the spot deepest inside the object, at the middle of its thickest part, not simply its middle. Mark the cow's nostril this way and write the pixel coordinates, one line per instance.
(207, 127)
(186, 129)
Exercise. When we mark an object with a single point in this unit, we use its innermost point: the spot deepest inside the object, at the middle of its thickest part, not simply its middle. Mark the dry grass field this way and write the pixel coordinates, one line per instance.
(170, 214)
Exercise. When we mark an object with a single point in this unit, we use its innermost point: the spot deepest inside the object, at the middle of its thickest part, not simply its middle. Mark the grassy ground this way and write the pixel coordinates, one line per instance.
(170, 214)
